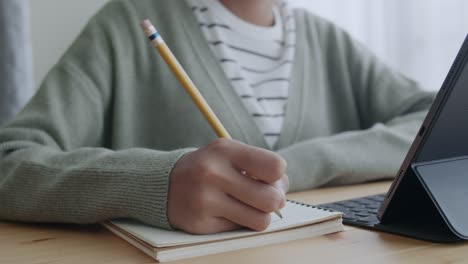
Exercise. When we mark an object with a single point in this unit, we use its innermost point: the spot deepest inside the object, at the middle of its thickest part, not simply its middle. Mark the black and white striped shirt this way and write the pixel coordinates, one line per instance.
(258, 60)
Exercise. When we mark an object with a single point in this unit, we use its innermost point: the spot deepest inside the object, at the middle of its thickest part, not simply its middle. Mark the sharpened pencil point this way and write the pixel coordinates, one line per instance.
(278, 213)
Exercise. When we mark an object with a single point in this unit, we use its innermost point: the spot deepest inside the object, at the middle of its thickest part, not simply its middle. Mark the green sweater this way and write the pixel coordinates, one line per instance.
(99, 139)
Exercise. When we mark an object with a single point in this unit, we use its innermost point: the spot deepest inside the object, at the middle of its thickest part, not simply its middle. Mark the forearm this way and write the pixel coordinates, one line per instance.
(352, 157)
(43, 184)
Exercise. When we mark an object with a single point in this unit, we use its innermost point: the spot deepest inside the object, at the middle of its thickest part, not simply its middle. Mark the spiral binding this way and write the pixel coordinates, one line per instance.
(312, 206)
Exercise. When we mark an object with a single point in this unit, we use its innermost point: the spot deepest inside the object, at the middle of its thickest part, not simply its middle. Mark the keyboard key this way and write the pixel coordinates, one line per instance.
(339, 208)
(347, 204)
(379, 198)
(361, 211)
(358, 210)
(362, 215)
(372, 206)
(365, 201)
(351, 204)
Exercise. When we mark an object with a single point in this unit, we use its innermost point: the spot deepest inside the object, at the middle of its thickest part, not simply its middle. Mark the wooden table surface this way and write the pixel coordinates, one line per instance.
(29, 243)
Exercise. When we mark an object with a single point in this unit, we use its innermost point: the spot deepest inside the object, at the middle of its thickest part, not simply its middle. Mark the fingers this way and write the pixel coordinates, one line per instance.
(209, 194)
(264, 197)
(222, 225)
(283, 184)
(210, 225)
(243, 215)
(259, 163)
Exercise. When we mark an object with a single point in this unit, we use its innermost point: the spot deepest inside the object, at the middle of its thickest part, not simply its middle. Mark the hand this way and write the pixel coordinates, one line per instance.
(209, 194)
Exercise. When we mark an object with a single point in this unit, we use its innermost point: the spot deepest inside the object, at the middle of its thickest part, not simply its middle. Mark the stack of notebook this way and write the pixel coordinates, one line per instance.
(300, 221)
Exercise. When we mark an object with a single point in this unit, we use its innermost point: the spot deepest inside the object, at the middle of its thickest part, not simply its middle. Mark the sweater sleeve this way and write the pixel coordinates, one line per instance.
(391, 109)
(55, 161)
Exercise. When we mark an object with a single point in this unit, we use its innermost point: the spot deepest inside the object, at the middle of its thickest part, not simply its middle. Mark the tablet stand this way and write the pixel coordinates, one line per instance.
(431, 203)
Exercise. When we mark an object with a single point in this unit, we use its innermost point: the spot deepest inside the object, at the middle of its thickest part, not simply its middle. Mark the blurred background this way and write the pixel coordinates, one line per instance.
(418, 37)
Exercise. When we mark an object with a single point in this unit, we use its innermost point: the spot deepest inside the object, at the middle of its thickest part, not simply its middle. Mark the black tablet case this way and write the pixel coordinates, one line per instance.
(431, 202)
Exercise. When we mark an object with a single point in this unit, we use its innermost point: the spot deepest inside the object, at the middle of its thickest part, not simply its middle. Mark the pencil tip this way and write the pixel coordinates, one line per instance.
(279, 214)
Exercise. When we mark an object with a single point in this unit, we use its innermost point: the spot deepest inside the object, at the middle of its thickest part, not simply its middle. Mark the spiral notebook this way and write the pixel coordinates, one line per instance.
(300, 221)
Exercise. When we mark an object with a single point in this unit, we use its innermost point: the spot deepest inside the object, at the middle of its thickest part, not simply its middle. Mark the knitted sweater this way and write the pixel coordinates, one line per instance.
(99, 139)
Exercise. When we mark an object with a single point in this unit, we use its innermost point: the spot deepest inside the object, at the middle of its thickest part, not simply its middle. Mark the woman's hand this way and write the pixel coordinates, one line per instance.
(209, 193)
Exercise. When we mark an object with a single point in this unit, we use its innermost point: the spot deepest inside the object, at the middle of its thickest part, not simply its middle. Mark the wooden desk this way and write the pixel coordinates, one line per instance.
(24, 243)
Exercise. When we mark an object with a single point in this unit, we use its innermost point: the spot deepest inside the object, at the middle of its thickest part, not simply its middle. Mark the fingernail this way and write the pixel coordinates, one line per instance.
(283, 204)
(285, 163)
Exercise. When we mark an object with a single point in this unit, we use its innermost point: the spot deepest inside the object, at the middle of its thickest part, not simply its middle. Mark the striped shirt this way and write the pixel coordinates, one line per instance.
(257, 60)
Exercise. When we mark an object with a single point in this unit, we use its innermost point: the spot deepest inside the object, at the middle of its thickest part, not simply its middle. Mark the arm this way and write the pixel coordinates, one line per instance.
(55, 161)
(391, 109)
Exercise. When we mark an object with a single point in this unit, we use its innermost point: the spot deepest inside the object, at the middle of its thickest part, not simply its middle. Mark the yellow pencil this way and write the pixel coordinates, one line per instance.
(182, 76)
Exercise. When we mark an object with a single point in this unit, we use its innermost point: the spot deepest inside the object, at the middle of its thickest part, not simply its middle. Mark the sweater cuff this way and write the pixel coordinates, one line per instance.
(149, 204)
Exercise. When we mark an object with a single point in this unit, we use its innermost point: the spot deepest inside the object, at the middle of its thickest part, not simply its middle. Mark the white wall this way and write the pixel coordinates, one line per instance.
(55, 24)
(419, 37)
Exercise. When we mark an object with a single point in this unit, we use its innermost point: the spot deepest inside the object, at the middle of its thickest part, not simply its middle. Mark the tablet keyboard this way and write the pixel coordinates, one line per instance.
(358, 212)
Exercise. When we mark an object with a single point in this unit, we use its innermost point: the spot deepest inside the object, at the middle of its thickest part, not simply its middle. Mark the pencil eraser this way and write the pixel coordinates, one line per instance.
(146, 24)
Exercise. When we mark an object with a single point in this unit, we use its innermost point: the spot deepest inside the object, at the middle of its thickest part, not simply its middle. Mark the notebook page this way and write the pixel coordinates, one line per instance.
(295, 215)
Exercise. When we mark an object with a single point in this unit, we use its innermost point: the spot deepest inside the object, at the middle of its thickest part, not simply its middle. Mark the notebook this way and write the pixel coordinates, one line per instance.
(300, 221)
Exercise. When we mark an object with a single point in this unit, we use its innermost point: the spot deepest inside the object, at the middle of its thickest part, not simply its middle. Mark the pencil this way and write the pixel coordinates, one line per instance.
(186, 82)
